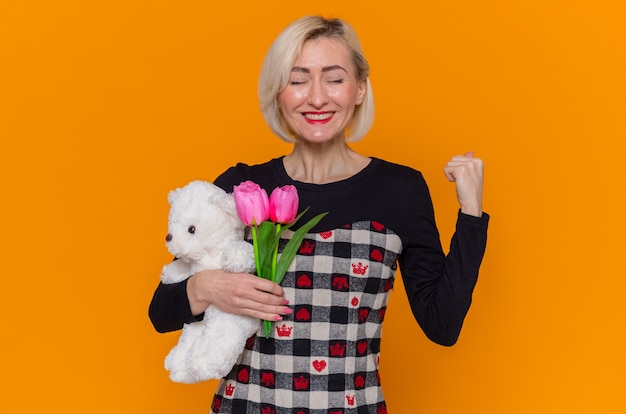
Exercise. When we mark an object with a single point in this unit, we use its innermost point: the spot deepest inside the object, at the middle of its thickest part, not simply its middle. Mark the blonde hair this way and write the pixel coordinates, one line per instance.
(283, 53)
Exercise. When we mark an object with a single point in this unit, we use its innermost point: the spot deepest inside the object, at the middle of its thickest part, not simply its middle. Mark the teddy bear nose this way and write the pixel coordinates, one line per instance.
(168, 238)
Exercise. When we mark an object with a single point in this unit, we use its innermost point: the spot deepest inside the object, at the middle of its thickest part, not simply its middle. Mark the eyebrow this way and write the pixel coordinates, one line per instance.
(324, 69)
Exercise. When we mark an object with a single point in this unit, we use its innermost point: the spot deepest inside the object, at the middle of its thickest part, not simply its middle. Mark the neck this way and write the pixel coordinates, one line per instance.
(322, 164)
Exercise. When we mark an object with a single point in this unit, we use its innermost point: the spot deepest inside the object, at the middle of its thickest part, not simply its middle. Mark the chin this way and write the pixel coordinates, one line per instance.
(319, 139)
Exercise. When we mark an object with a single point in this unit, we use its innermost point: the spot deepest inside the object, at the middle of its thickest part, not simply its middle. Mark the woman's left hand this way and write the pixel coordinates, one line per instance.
(467, 173)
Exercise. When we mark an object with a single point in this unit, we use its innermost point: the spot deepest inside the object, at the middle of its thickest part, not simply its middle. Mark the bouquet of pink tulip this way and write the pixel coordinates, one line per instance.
(254, 208)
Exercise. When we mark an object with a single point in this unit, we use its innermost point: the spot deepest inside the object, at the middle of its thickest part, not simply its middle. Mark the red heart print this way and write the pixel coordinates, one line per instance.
(326, 234)
(319, 365)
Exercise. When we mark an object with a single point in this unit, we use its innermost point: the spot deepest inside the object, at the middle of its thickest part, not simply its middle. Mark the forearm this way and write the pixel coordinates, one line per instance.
(440, 301)
(196, 292)
(170, 308)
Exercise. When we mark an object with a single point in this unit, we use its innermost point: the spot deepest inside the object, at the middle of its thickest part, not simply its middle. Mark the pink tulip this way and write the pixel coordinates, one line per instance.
(252, 203)
(284, 204)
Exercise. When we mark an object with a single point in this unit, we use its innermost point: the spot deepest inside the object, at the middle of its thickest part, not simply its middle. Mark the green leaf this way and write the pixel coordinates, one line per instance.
(292, 246)
(266, 229)
(288, 225)
(266, 240)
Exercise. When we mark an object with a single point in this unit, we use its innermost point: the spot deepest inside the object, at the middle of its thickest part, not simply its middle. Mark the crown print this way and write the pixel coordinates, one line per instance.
(307, 247)
(340, 283)
(230, 389)
(301, 382)
(267, 379)
(359, 268)
(284, 330)
(350, 399)
(267, 410)
(338, 350)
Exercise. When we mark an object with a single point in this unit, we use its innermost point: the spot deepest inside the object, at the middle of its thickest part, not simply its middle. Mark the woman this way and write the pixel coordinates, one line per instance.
(322, 356)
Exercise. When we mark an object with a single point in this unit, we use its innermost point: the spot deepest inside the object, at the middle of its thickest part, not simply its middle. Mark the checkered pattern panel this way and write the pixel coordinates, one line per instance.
(323, 358)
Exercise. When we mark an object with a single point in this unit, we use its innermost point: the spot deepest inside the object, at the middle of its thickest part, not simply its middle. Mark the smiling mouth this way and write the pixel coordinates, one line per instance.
(318, 117)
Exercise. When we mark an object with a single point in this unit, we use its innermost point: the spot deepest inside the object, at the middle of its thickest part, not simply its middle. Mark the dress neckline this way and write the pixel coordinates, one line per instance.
(364, 172)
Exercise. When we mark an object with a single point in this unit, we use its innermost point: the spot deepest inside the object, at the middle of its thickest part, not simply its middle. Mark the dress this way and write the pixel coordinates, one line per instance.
(323, 358)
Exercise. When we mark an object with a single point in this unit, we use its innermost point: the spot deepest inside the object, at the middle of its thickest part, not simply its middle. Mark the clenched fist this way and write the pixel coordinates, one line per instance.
(467, 173)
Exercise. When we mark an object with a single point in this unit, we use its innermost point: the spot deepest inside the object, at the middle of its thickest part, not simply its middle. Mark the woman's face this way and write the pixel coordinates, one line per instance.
(319, 101)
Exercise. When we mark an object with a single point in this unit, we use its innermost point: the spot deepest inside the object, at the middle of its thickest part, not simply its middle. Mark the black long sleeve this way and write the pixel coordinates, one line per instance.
(169, 308)
(440, 290)
(439, 287)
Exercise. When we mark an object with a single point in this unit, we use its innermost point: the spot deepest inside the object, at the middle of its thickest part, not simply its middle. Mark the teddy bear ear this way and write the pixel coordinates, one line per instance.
(224, 201)
(172, 196)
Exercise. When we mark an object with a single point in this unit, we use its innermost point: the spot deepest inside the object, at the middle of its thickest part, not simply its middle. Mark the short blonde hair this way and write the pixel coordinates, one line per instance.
(285, 51)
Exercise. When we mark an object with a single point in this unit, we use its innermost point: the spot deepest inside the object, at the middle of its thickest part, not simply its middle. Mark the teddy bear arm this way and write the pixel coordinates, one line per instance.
(175, 272)
(239, 257)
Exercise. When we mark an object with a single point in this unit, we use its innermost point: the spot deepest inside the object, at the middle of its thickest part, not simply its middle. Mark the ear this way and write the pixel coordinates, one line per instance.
(227, 203)
(223, 200)
(360, 97)
(172, 196)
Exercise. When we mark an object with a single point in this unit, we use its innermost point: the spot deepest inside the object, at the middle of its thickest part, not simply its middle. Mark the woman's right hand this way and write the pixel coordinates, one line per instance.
(237, 293)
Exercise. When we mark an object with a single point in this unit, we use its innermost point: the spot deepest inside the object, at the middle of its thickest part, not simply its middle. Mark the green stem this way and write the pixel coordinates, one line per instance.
(255, 243)
(268, 328)
(275, 255)
(266, 324)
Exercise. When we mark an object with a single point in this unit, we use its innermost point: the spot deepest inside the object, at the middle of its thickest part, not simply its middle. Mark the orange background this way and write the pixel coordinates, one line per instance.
(105, 106)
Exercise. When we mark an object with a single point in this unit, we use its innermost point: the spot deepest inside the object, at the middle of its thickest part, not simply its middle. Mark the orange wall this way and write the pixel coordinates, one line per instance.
(106, 106)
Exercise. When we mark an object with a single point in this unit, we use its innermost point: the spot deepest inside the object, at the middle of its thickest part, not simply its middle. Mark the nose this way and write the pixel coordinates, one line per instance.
(168, 238)
(318, 96)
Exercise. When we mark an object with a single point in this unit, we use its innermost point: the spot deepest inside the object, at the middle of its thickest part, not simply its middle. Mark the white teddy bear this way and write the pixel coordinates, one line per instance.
(204, 232)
